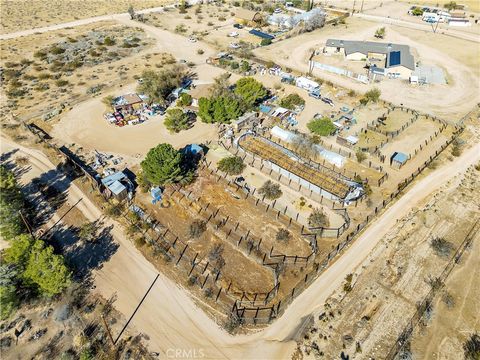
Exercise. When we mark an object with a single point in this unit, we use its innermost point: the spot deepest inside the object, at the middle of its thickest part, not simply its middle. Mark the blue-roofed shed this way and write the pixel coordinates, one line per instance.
(399, 159)
(261, 34)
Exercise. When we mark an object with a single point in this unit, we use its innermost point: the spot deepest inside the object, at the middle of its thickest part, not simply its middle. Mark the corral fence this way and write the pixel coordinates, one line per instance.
(247, 316)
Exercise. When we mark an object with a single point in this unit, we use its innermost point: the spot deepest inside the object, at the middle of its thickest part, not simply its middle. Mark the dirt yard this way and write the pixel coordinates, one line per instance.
(365, 321)
(451, 100)
(412, 137)
(27, 14)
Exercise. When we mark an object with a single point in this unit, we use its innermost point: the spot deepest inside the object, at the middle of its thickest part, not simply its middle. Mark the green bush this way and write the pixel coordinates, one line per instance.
(265, 42)
(232, 165)
(292, 101)
(322, 126)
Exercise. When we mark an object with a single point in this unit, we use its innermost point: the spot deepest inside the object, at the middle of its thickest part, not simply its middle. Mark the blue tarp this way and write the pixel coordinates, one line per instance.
(261, 34)
(265, 109)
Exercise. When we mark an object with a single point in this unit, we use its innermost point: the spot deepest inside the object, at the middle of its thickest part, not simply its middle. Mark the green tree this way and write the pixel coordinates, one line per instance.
(11, 203)
(18, 251)
(162, 165)
(291, 101)
(8, 301)
(46, 270)
(232, 165)
(221, 109)
(176, 120)
(271, 190)
(322, 126)
(185, 99)
(157, 85)
(250, 91)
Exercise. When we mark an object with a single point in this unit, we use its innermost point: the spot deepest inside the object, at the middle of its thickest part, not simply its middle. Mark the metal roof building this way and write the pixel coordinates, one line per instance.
(397, 55)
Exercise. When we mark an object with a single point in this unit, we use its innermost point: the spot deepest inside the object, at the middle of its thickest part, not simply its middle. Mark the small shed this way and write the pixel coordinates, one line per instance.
(352, 140)
(398, 159)
(243, 120)
(117, 185)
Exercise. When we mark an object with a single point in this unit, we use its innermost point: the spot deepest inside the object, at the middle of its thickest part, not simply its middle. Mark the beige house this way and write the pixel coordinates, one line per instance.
(396, 59)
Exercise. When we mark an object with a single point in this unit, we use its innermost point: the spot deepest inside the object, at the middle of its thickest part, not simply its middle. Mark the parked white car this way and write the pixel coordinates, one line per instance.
(235, 45)
(192, 39)
(233, 34)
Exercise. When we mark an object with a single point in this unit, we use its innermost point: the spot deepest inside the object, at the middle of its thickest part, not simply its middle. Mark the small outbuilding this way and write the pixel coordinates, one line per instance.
(398, 159)
(118, 185)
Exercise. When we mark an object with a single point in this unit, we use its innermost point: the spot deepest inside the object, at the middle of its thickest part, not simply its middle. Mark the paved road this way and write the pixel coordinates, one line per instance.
(172, 320)
(413, 25)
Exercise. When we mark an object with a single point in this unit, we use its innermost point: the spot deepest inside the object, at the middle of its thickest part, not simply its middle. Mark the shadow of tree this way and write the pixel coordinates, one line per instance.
(84, 256)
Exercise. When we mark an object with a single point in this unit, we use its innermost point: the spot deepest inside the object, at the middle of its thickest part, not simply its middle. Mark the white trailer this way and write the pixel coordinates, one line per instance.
(307, 84)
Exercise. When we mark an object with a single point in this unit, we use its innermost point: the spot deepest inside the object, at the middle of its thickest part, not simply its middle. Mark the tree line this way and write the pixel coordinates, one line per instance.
(29, 267)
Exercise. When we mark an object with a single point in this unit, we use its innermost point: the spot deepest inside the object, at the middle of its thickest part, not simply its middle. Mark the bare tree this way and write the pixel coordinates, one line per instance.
(131, 12)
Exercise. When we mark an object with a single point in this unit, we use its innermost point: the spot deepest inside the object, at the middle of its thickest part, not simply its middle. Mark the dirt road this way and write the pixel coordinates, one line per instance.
(86, 21)
(169, 316)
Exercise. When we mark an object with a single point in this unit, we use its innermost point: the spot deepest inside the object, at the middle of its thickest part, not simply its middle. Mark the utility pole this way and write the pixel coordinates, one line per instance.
(27, 225)
(353, 7)
(108, 330)
(361, 9)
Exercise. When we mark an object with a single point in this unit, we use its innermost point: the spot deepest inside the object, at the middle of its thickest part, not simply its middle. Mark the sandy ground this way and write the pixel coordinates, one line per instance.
(444, 336)
(457, 98)
(168, 311)
(27, 14)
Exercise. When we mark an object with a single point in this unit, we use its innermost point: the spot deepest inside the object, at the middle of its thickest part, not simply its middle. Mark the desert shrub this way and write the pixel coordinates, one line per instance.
(360, 155)
(197, 228)
(57, 50)
(471, 347)
(282, 235)
(61, 83)
(441, 246)
(271, 190)
(318, 219)
(200, 52)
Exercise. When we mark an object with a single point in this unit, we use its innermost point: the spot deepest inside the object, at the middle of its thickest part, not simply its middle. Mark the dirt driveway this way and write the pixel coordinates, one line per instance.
(452, 100)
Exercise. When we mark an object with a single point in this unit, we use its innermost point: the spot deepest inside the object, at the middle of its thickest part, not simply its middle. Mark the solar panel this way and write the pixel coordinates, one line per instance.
(394, 58)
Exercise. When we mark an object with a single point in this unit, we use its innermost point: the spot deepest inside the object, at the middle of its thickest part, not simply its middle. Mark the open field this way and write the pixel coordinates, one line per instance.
(451, 100)
(28, 14)
(385, 289)
(71, 65)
